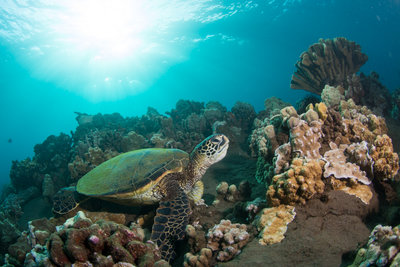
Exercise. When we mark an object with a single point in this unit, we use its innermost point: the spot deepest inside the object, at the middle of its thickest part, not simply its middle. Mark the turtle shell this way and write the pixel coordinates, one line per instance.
(132, 173)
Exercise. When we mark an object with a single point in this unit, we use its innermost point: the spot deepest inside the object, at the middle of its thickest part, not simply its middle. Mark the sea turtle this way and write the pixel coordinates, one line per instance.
(146, 176)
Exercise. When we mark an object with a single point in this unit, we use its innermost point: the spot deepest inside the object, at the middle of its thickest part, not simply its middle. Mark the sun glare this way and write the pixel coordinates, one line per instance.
(107, 49)
(108, 28)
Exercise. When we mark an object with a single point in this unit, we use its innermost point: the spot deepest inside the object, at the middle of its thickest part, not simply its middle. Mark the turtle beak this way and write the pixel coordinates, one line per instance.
(224, 143)
(223, 148)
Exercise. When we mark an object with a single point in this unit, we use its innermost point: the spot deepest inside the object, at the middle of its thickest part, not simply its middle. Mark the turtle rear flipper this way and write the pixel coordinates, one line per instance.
(65, 200)
(170, 222)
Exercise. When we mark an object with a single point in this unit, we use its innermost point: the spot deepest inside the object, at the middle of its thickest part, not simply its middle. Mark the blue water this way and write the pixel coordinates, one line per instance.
(57, 57)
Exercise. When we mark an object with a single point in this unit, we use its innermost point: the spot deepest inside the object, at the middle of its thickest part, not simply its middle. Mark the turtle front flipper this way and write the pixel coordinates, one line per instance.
(170, 222)
(65, 200)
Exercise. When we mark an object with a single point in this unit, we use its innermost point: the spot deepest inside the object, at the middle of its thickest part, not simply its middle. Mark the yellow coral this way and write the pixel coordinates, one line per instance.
(386, 162)
(273, 223)
(298, 184)
(322, 110)
(351, 187)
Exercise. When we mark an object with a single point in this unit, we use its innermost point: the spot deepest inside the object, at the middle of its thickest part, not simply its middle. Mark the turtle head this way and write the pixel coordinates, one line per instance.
(209, 151)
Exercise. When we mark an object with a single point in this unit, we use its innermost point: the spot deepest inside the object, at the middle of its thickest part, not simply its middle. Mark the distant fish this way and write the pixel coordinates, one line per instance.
(9, 140)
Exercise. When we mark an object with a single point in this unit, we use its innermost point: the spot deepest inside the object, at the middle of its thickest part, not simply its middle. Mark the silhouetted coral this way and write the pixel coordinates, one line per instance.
(327, 62)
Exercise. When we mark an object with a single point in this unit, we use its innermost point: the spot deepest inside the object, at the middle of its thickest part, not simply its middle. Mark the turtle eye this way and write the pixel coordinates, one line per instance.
(215, 140)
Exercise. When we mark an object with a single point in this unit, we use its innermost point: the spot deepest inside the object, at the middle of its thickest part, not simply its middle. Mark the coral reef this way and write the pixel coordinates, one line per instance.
(382, 248)
(352, 187)
(81, 242)
(272, 223)
(351, 138)
(203, 258)
(332, 95)
(386, 162)
(374, 94)
(337, 166)
(233, 193)
(10, 212)
(84, 241)
(220, 243)
(327, 62)
(227, 239)
(301, 182)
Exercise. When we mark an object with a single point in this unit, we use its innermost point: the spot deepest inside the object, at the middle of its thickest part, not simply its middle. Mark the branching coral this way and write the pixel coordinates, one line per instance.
(327, 62)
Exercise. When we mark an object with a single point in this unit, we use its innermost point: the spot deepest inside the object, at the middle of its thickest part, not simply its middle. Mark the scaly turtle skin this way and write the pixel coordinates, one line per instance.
(146, 176)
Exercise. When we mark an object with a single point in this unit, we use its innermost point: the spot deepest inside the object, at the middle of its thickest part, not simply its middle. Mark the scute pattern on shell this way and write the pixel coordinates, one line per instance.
(131, 171)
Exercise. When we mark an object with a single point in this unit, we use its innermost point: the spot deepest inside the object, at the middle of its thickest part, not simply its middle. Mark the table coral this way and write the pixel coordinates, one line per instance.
(382, 248)
(272, 223)
(301, 182)
(329, 61)
(227, 239)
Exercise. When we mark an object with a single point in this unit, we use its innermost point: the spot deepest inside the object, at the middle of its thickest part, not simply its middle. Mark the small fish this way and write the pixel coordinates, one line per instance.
(9, 140)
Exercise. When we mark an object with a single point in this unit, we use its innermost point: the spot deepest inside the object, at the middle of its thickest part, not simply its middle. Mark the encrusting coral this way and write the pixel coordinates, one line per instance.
(272, 223)
(329, 61)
